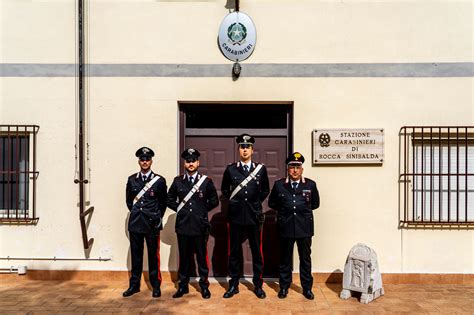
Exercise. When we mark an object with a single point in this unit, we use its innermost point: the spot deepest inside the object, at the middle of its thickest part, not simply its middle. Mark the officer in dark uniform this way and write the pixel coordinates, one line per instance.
(245, 184)
(192, 195)
(294, 198)
(146, 200)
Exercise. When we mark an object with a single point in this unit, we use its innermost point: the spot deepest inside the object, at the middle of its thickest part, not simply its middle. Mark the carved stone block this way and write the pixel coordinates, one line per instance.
(362, 274)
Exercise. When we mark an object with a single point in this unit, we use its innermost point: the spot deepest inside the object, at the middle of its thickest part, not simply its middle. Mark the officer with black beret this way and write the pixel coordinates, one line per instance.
(146, 200)
(192, 195)
(294, 198)
(245, 184)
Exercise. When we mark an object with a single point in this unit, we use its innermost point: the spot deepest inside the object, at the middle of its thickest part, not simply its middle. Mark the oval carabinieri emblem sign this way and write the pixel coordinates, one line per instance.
(237, 36)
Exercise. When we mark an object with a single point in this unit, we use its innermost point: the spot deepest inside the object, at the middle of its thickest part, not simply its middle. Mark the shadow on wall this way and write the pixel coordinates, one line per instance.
(87, 251)
(168, 237)
(129, 257)
(334, 281)
(219, 245)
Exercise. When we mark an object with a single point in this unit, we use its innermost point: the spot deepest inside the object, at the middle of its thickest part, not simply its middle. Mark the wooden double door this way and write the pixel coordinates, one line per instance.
(218, 149)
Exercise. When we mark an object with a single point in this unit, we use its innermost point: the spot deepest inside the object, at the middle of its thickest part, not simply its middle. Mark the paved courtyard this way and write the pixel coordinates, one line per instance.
(81, 297)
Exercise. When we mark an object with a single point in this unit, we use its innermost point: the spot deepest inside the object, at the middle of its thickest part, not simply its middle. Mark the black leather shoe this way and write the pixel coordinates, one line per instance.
(259, 293)
(308, 294)
(181, 291)
(205, 293)
(156, 293)
(230, 293)
(130, 292)
(283, 293)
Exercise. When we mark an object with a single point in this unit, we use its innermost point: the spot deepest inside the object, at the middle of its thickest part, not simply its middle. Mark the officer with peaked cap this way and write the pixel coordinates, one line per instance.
(146, 200)
(192, 195)
(294, 198)
(245, 184)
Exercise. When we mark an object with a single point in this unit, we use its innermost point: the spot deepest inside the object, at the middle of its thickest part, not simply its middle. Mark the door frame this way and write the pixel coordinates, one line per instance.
(183, 131)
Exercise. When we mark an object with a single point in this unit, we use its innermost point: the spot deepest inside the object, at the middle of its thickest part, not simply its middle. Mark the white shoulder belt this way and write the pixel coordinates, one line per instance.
(191, 193)
(246, 181)
(145, 188)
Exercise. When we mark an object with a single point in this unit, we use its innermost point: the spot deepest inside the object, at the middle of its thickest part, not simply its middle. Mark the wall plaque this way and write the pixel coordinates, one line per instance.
(348, 146)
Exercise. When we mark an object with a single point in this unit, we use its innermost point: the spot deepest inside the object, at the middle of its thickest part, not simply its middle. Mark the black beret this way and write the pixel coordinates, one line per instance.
(190, 154)
(295, 158)
(144, 152)
(245, 139)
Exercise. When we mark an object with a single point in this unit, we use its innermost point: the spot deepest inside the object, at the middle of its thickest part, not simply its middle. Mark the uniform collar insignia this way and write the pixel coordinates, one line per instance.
(196, 175)
(288, 180)
(151, 175)
(241, 164)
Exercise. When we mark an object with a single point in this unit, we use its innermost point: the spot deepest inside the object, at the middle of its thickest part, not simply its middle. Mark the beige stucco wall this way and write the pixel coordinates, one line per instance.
(358, 204)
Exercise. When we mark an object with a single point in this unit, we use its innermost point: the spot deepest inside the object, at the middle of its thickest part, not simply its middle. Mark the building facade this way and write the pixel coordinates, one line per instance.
(155, 77)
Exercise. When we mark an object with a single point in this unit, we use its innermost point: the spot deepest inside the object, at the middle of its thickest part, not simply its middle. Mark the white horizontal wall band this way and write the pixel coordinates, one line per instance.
(401, 70)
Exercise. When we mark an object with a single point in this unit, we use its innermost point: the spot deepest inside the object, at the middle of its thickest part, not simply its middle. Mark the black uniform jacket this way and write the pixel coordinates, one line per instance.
(192, 218)
(247, 204)
(145, 214)
(295, 207)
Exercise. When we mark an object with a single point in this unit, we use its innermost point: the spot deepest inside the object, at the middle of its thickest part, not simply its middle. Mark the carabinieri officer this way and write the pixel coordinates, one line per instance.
(294, 198)
(245, 184)
(192, 196)
(146, 200)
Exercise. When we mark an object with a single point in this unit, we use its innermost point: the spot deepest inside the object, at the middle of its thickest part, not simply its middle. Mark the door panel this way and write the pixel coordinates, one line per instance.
(271, 151)
(216, 153)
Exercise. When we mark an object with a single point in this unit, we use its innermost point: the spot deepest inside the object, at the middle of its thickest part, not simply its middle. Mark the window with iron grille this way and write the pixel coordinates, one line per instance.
(18, 174)
(437, 175)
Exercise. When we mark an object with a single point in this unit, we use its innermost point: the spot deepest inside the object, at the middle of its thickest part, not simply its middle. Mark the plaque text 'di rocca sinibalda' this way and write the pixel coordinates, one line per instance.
(348, 146)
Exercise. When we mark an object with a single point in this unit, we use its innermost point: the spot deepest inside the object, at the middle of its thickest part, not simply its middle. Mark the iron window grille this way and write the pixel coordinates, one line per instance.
(18, 174)
(437, 176)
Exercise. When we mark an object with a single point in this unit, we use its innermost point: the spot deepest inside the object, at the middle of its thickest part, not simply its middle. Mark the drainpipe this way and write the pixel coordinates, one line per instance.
(82, 181)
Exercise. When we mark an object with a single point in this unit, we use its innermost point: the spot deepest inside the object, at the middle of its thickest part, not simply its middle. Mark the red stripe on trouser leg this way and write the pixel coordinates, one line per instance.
(207, 260)
(158, 256)
(207, 263)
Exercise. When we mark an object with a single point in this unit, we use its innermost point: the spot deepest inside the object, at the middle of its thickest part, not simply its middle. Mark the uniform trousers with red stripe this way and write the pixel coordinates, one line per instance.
(187, 246)
(286, 263)
(237, 235)
(153, 249)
